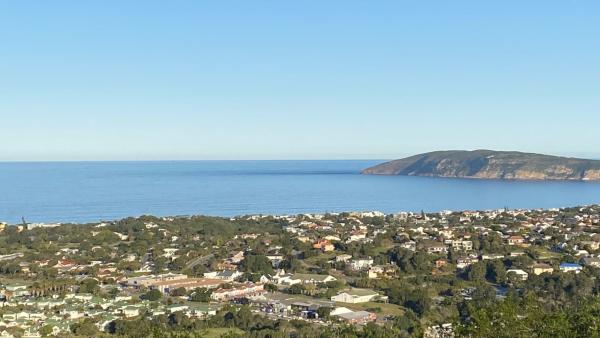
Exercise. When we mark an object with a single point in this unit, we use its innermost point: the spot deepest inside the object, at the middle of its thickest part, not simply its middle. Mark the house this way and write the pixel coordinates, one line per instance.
(463, 263)
(387, 270)
(225, 275)
(147, 281)
(360, 264)
(491, 256)
(237, 257)
(356, 295)
(410, 245)
(593, 245)
(324, 245)
(343, 258)
(515, 240)
(302, 278)
(169, 252)
(462, 245)
(440, 263)
(6, 334)
(201, 310)
(541, 268)
(167, 282)
(570, 267)
(439, 331)
(591, 261)
(520, 274)
(238, 291)
(436, 248)
(187, 284)
(130, 311)
(357, 235)
(357, 317)
(16, 290)
(176, 308)
(31, 333)
(339, 310)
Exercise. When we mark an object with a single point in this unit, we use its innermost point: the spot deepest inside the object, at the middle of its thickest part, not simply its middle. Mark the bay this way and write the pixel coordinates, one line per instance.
(94, 191)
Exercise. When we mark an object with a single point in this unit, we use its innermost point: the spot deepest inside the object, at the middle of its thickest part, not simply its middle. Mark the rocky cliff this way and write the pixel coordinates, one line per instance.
(488, 164)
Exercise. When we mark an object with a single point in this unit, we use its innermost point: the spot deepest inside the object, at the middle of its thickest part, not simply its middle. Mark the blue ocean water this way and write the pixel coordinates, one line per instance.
(94, 191)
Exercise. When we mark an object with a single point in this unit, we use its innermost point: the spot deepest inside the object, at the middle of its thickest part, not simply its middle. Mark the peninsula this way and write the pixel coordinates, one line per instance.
(489, 164)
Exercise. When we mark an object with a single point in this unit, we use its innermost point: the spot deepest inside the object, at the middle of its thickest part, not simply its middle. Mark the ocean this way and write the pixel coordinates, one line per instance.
(95, 191)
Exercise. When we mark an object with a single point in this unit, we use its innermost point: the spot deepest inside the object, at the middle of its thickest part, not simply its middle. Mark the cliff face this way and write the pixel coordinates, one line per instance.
(488, 164)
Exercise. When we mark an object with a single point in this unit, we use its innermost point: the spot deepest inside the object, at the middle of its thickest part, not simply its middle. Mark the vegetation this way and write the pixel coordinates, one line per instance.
(492, 165)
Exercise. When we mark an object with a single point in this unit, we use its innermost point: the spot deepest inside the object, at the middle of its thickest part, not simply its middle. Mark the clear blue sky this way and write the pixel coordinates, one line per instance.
(97, 80)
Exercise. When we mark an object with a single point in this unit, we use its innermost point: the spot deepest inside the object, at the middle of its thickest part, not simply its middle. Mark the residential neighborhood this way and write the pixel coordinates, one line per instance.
(411, 273)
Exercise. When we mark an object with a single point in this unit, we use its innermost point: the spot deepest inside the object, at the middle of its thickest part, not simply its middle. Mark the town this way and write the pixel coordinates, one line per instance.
(352, 274)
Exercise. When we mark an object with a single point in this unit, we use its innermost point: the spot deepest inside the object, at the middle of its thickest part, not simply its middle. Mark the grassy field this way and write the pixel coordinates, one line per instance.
(321, 257)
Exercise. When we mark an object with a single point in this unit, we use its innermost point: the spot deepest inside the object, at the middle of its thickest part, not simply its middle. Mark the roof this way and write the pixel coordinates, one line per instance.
(355, 315)
(542, 266)
(361, 292)
(189, 282)
(570, 265)
(305, 276)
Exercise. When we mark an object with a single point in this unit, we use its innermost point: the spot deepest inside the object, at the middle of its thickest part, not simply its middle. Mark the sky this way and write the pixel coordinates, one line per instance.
(175, 80)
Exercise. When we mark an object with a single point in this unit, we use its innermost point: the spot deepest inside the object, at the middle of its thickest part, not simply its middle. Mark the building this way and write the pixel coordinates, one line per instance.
(361, 264)
(520, 274)
(461, 245)
(541, 268)
(436, 248)
(187, 284)
(570, 267)
(226, 275)
(591, 261)
(324, 245)
(515, 240)
(491, 256)
(146, 281)
(357, 317)
(302, 278)
(343, 258)
(410, 245)
(355, 295)
(239, 291)
(593, 245)
(463, 263)
(168, 282)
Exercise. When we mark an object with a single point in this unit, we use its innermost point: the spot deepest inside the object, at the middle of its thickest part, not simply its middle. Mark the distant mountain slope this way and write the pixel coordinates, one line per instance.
(488, 164)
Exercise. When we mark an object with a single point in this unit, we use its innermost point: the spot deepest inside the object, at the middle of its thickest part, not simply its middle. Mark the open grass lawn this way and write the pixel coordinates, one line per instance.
(547, 254)
(323, 256)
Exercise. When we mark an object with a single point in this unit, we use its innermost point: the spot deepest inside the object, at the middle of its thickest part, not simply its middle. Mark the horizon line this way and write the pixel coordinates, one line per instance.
(192, 160)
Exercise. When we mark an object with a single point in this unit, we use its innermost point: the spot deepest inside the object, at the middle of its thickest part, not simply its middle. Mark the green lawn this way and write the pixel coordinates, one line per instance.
(547, 254)
(326, 256)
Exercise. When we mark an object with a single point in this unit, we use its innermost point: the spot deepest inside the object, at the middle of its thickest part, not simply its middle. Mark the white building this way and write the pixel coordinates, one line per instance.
(361, 264)
(357, 296)
(518, 272)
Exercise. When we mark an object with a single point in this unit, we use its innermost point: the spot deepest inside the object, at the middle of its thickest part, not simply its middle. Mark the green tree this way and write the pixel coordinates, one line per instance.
(201, 295)
(496, 272)
(152, 295)
(477, 272)
(85, 328)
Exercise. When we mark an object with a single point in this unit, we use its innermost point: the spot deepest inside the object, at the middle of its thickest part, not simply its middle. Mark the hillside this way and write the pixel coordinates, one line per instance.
(488, 164)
